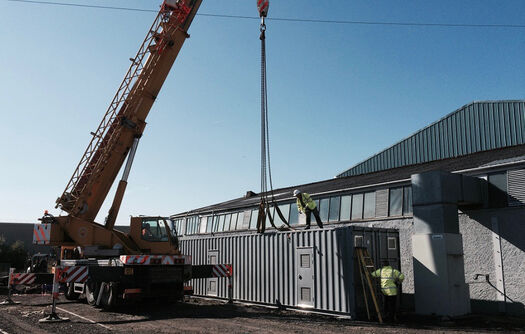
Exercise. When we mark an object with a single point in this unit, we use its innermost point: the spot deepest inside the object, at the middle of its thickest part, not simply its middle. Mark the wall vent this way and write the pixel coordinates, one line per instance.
(516, 187)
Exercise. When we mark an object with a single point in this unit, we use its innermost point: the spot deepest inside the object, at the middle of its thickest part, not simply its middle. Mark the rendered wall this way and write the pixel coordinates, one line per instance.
(480, 257)
(494, 245)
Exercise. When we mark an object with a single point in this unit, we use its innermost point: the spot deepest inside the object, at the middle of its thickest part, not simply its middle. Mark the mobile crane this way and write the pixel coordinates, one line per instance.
(102, 263)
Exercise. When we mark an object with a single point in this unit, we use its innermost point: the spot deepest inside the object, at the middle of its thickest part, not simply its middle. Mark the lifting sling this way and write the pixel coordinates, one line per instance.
(266, 173)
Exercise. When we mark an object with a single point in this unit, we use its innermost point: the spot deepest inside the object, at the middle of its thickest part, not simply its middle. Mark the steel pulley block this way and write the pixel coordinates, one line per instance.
(262, 6)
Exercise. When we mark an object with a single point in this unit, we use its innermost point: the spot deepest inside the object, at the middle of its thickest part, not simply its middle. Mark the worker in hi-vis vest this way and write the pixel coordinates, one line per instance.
(306, 205)
(390, 279)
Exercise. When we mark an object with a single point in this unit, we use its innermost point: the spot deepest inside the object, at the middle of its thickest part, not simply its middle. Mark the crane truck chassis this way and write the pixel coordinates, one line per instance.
(106, 277)
(98, 261)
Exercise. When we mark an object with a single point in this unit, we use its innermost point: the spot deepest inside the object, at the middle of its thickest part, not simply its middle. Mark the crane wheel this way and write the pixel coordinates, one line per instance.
(91, 290)
(109, 295)
(70, 293)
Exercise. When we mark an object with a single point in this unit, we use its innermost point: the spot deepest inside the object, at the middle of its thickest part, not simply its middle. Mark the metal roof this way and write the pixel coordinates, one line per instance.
(475, 127)
(367, 182)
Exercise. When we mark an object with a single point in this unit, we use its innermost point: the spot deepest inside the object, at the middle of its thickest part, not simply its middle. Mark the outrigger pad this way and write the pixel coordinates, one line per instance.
(53, 317)
(9, 302)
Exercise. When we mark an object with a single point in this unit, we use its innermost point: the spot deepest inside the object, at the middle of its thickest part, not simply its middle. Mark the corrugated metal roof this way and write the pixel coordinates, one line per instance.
(487, 159)
(475, 127)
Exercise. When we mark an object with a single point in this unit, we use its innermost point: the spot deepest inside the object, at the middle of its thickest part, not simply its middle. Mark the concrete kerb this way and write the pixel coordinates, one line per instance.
(53, 316)
(9, 300)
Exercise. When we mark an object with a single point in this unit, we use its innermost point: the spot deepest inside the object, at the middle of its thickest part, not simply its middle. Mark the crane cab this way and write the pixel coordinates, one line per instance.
(153, 235)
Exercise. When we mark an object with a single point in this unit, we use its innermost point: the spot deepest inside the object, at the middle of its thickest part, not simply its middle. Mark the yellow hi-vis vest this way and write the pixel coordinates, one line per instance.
(310, 204)
(389, 276)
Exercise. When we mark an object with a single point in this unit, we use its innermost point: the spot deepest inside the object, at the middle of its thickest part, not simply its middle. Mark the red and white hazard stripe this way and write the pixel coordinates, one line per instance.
(262, 6)
(222, 270)
(74, 274)
(22, 278)
(155, 259)
(41, 234)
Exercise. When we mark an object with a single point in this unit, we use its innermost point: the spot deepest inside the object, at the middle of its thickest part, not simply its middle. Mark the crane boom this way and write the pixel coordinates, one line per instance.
(125, 117)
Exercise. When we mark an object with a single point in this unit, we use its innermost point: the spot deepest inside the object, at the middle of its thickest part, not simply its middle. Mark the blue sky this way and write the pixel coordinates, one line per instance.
(337, 93)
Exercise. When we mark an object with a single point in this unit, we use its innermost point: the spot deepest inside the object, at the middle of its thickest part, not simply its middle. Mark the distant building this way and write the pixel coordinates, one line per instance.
(454, 190)
(12, 232)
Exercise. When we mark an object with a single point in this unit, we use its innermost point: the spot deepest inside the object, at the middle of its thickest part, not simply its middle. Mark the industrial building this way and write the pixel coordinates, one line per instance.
(448, 200)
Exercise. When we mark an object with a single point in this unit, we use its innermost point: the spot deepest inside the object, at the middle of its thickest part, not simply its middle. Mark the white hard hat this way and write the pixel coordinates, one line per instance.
(296, 192)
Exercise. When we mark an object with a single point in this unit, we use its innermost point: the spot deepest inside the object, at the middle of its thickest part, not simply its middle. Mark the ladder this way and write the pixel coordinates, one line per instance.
(366, 267)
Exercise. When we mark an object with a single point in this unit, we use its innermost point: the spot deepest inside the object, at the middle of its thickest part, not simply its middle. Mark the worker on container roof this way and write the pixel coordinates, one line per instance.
(390, 279)
(306, 205)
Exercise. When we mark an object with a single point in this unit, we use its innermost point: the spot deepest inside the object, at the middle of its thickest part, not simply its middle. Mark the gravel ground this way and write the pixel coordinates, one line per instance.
(209, 316)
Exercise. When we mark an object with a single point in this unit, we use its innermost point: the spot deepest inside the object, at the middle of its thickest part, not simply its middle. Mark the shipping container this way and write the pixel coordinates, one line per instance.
(309, 269)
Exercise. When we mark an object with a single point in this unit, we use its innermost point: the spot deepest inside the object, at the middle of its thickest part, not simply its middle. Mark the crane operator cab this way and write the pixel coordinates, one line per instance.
(153, 235)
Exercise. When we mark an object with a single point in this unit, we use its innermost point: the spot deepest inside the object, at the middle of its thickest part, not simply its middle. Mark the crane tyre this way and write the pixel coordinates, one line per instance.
(70, 293)
(109, 295)
(92, 290)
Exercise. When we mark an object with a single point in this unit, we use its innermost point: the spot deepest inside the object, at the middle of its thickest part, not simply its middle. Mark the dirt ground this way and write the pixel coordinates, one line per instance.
(210, 316)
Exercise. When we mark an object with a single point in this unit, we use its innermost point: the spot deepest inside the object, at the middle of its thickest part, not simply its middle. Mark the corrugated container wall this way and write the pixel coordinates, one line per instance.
(310, 269)
(476, 127)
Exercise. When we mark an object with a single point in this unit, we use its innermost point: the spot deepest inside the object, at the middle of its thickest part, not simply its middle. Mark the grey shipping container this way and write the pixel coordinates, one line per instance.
(313, 269)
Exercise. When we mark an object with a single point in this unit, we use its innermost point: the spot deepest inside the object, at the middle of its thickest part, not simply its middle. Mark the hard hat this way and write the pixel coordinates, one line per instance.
(296, 192)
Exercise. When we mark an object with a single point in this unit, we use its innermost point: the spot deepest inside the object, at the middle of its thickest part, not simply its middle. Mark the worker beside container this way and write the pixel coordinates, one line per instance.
(390, 279)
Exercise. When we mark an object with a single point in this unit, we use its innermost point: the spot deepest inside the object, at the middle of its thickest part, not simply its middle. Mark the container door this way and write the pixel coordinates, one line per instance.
(212, 283)
(305, 279)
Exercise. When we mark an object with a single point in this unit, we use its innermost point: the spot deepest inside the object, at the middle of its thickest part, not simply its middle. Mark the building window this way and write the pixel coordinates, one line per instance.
(346, 202)
(323, 209)
(224, 223)
(335, 202)
(240, 221)
(205, 221)
(183, 222)
(253, 219)
(357, 206)
(216, 221)
(190, 225)
(497, 183)
(395, 199)
(220, 226)
(407, 200)
(294, 214)
(196, 227)
(233, 223)
(370, 205)
(186, 222)
(209, 224)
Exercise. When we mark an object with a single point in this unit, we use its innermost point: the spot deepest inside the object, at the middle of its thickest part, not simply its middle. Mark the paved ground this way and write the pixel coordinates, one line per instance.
(205, 316)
